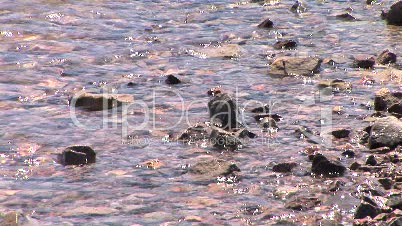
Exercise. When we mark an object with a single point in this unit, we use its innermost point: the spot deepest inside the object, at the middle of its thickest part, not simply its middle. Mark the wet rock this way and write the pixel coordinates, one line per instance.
(211, 168)
(397, 221)
(224, 140)
(285, 44)
(172, 80)
(340, 133)
(14, 218)
(226, 51)
(252, 209)
(298, 7)
(366, 209)
(302, 203)
(243, 133)
(292, 66)
(336, 85)
(275, 117)
(264, 109)
(223, 112)
(349, 154)
(394, 201)
(324, 167)
(99, 102)
(363, 61)
(197, 132)
(309, 135)
(285, 167)
(345, 17)
(386, 183)
(385, 132)
(371, 160)
(77, 155)
(370, 2)
(268, 122)
(394, 15)
(267, 23)
(214, 91)
(336, 186)
(385, 100)
(386, 57)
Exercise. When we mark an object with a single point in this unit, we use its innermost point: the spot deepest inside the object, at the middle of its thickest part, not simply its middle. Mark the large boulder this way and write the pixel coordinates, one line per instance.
(386, 57)
(99, 102)
(366, 209)
(223, 112)
(292, 66)
(77, 155)
(394, 15)
(385, 132)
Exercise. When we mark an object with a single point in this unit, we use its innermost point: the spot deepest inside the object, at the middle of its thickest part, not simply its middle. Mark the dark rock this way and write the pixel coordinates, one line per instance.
(285, 44)
(385, 132)
(394, 201)
(346, 17)
(172, 80)
(243, 133)
(396, 110)
(223, 112)
(309, 135)
(386, 57)
(77, 155)
(324, 167)
(397, 221)
(335, 186)
(252, 210)
(285, 167)
(224, 140)
(366, 209)
(267, 23)
(385, 100)
(292, 66)
(264, 109)
(349, 153)
(130, 84)
(370, 2)
(386, 183)
(212, 167)
(364, 61)
(268, 122)
(371, 160)
(394, 15)
(354, 166)
(341, 133)
(298, 7)
(302, 203)
(99, 102)
(214, 91)
(197, 132)
(275, 117)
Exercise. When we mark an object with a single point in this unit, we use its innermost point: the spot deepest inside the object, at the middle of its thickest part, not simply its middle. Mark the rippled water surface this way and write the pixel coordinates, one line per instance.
(52, 49)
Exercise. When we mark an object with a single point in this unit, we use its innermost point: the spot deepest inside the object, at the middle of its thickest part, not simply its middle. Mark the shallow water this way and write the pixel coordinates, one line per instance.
(51, 49)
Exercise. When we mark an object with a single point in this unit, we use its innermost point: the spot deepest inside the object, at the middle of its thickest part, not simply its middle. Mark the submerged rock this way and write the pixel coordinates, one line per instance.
(285, 167)
(77, 155)
(394, 15)
(99, 102)
(267, 23)
(292, 66)
(223, 112)
(210, 169)
(336, 85)
(346, 17)
(222, 139)
(340, 133)
(197, 132)
(263, 109)
(285, 44)
(385, 132)
(302, 202)
(172, 80)
(324, 167)
(386, 57)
